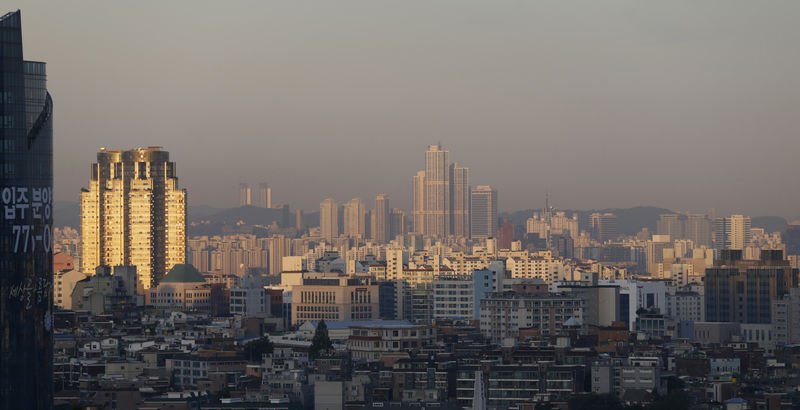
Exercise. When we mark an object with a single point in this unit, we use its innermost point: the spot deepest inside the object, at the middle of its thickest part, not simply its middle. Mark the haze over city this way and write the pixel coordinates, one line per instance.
(454, 205)
(682, 105)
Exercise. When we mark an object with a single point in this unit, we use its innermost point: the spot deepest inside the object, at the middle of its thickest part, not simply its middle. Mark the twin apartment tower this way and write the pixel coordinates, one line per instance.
(444, 204)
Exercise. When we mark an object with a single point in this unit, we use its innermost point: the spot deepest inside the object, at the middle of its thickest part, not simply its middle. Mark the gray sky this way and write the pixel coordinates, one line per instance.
(682, 104)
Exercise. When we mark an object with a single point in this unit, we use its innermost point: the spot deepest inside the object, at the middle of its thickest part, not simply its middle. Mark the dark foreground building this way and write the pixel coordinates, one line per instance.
(26, 259)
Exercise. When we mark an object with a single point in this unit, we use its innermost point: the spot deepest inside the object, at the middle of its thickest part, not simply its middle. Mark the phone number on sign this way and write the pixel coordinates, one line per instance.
(25, 238)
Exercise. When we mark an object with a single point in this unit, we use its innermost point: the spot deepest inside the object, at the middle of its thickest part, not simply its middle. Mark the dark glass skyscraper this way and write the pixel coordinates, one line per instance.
(26, 193)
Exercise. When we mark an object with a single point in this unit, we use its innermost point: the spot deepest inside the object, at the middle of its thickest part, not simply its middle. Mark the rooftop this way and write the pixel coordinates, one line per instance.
(183, 273)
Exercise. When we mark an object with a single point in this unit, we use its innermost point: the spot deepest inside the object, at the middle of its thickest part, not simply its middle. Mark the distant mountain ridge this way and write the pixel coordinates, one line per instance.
(629, 220)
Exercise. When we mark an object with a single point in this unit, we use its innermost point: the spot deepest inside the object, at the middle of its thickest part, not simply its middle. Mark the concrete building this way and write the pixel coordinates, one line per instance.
(460, 200)
(334, 297)
(686, 305)
(249, 300)
(264, 196)
(504, 315)
(453, 297)
(189, 370)
(398, 223)
(547, 224)
(742, 291)
(418, 202)
(355, 223)
(437, 192)
(382, 219)
(184, 288)
(515, 385)
(63, 284)
(387, 341)
(698, 230)
(133, 213)
(602, 303)
(106, 290)
(627, 375)
(786, 318)
(484, 212)
(732, 232)
(604, 226)
(245, 195)
(329, 219)
(671, 225)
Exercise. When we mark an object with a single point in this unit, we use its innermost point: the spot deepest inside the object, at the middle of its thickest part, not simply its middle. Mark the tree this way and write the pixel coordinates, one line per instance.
(321, 343)
(256, 349)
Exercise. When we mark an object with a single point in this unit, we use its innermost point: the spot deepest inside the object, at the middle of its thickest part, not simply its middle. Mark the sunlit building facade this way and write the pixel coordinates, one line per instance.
(133, 213)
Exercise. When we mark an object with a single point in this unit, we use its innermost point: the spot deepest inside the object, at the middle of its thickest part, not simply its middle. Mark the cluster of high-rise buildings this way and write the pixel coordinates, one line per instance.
(451, 308)
(353, 220)
(445, 204)
(262, 200)
(562, 282)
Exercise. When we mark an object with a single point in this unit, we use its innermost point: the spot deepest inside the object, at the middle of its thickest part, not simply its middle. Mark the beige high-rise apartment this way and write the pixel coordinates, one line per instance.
(329, 219)
(245, 195)
(437, 192)
(133, 213)
(398, 224)
(418, 201)
(382, 220)
(264, 196)
(732, 232)
(604, 226)
(459, 177)
(441, 196)
(698, 229)
(355, 222)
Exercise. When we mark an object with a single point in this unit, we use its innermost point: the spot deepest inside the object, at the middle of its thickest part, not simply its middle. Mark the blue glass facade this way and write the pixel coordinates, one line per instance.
(26, 259)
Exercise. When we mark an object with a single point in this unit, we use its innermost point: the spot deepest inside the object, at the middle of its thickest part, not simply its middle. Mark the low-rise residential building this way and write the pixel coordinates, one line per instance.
(188, 370)
(504, 314)
(387, 342)
(453, 297)
(686, 306)
(63, 284)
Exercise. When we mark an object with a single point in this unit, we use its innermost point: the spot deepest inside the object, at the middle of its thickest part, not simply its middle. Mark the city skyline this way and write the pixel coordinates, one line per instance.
(346, 291)
(638, 137)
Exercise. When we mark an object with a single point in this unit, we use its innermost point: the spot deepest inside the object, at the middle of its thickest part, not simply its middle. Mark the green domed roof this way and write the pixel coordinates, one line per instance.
(183, 273)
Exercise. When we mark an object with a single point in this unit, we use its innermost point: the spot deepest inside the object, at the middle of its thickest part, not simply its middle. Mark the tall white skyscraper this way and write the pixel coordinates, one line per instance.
(484, 211)
(459, 200)
(355, 219)
(329, 219)
(381, 224)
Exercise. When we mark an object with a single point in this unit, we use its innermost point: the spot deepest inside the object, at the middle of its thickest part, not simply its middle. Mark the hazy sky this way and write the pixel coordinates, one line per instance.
(682, 104)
